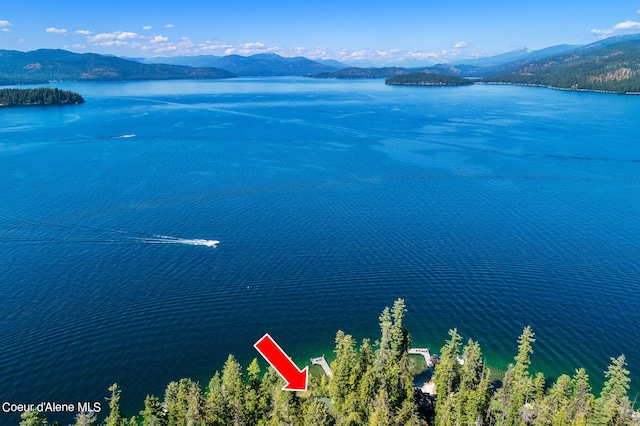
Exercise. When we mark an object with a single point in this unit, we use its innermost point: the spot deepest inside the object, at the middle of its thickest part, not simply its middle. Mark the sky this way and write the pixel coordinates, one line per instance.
(355, 32)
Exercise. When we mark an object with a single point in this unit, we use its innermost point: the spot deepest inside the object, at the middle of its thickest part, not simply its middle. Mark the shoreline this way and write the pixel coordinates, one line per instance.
(564, 89)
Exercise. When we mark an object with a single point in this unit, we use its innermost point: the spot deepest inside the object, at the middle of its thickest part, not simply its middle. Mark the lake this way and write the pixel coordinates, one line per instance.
(487, 208)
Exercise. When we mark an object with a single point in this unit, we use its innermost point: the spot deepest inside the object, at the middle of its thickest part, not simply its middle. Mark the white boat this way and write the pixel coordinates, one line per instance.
(208, 243)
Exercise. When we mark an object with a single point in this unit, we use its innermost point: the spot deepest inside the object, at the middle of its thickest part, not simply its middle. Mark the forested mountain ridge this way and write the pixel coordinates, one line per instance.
(355, 73)
(45, 65)
(265, 64)
(612, 65)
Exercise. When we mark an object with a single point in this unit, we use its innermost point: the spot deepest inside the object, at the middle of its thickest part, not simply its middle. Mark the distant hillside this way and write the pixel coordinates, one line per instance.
(266, 64)
(42, 66)
(427, 79)
(611, 65)
(353, 73)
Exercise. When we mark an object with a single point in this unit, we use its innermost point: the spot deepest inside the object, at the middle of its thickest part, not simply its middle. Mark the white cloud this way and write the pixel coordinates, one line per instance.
(101, 37)
(59, 31)
(627, 25)
(5, 30)
(126, 35)
(5, 24)
(147, 27)
(169, 26)
(252, 48)
(159, 39)
(620, 28)
(214, 45)
(163, 45)
(115, 38)
(602, 33)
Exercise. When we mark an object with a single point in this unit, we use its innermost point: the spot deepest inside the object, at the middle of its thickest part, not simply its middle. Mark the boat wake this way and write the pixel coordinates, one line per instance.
(21, 230)
(165, 239)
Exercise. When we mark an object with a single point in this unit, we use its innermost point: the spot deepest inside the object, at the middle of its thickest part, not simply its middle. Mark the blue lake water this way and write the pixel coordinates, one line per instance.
(487, 208)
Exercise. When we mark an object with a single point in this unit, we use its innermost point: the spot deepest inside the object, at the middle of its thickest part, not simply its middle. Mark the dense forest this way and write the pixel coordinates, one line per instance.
(39, 96)
(427, 79)
(356, 73)
(609, 67)
(372, 384)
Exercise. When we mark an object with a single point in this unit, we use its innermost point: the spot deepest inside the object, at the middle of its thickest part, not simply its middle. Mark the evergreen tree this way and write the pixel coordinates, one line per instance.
(400, 340)
(286, 408)
(617, 383)
(407, 414)
(115, 417)
(366, 393)
(233, 390)
(381, 414)
(315, 413)
(613, 407)
(33, 418)
(582, 403)
(384, 349)
(507, 406)
(391, 360)
(254, 374)
(554, 408)
(183, 403)
(473, 394)
(252, 409)
(521, 384)
(344, 373)
(215, 411)
(447, 379)
(153, 415)
(86, 419)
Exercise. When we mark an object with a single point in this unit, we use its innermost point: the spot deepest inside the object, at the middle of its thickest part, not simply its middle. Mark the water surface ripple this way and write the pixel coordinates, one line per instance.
(486, 208)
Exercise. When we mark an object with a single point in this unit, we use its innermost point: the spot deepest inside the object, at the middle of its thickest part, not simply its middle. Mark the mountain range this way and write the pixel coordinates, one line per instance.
(612, 64)
(609, 65)
(263, 64)
(45, 65)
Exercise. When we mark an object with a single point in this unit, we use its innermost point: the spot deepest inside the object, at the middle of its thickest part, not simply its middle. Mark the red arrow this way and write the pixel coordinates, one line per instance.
(296, 379)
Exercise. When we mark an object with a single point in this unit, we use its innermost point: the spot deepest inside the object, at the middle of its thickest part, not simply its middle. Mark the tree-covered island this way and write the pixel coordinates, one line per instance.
(427, 79)
(39, 96)
(372, 383)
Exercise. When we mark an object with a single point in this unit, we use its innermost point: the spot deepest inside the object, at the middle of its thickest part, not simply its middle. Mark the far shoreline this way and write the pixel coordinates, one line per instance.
(248, 78)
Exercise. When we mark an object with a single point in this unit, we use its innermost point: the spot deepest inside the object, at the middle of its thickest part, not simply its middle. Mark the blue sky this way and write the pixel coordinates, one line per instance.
(380, 32)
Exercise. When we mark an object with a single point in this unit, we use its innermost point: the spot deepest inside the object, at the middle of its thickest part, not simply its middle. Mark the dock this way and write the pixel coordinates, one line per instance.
(322, 362)
(425, 353)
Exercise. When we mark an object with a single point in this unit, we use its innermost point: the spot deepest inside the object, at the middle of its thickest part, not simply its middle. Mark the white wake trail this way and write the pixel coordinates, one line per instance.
(92, 234)
(165, 239)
